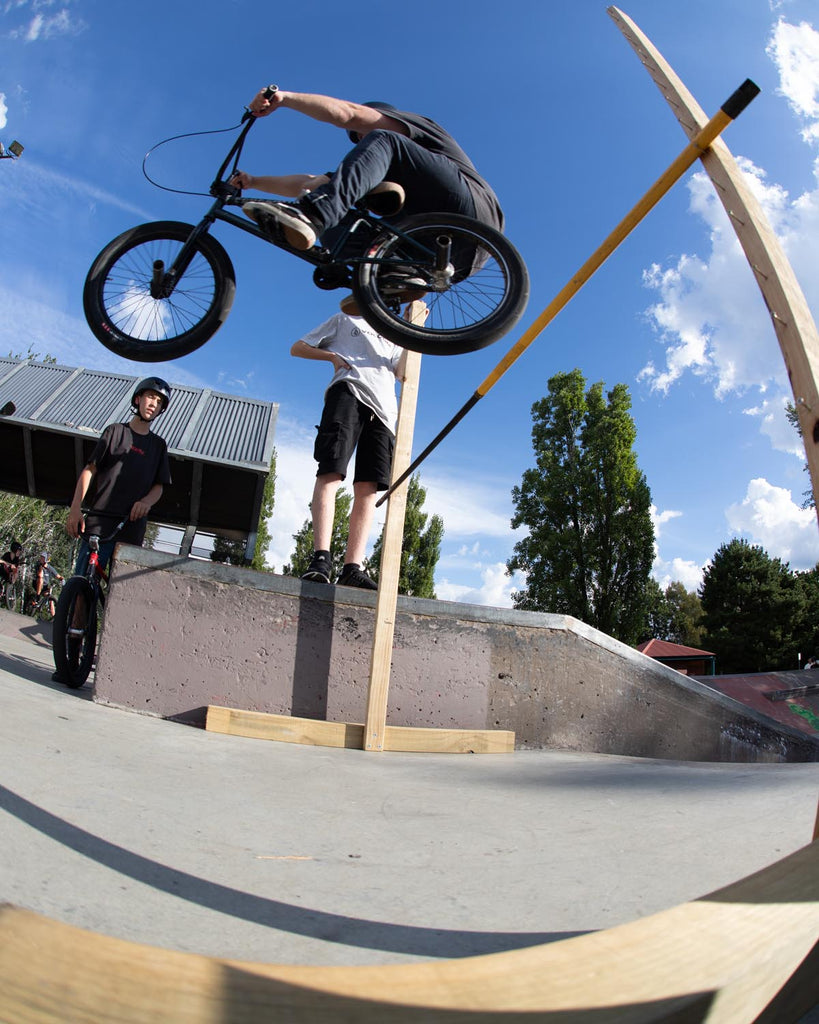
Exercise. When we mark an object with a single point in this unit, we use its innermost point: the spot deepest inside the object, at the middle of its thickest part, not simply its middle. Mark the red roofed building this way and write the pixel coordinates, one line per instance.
(688, 660)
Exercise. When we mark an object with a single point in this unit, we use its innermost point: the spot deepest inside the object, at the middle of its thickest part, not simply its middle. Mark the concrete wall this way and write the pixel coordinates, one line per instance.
(181, 634)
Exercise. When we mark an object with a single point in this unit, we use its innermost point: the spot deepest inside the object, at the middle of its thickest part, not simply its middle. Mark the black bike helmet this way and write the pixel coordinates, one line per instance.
(157, 384)
(16, 546)
(376, 105)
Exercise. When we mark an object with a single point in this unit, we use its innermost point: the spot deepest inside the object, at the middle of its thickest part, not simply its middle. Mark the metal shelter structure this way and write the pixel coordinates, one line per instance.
(219, 445)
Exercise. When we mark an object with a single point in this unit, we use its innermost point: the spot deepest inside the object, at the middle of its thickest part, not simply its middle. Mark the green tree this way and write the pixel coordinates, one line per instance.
(38, 527)
(421, 547)
(808, 497)
(587, 508)
(751, 604)
(263, 531)
(300, 559)
(674, 614)
(806, 628)
(227, 549)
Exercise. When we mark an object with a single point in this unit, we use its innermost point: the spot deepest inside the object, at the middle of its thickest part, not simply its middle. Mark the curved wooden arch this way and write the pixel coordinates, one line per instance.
(748, 952)
(795, 327)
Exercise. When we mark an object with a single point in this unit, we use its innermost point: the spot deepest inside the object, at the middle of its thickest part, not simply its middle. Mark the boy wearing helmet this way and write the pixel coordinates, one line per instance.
(392, 145)
(128, 469)
(44, 573)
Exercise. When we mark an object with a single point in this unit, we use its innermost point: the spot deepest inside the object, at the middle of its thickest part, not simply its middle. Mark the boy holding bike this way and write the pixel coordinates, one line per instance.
(128, 469)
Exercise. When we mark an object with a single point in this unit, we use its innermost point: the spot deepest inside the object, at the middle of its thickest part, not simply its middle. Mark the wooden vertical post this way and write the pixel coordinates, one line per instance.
(391, 545)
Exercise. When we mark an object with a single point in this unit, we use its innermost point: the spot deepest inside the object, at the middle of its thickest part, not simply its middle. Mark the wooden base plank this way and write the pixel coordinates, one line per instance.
(313, 732)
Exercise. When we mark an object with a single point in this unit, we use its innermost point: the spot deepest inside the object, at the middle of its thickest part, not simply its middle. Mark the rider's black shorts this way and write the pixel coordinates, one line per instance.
(349, 425)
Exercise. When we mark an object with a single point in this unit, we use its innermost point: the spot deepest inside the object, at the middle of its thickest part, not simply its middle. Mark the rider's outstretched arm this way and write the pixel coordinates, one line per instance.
(292, 185)
(342, 113)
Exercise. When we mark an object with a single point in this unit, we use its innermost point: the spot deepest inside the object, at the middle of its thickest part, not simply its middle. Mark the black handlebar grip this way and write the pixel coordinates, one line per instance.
(270, 91)
(737, 102)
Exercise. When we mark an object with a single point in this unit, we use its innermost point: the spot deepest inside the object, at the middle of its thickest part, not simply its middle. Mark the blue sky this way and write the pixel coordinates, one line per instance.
(558, 113)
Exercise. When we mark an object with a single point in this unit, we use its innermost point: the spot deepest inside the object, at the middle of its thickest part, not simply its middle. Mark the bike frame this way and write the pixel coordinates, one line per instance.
(225, 194)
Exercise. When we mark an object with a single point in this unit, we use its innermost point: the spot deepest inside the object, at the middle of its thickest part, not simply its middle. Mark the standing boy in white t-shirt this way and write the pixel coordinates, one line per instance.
(360, 411)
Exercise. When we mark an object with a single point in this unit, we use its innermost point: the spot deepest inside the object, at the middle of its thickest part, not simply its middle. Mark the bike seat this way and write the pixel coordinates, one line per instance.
(385, 200)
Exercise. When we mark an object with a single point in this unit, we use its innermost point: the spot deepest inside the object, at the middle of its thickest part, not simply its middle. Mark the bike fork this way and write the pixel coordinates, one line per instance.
(163, 282)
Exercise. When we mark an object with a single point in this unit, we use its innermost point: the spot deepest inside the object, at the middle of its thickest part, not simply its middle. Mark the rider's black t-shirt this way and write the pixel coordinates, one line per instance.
(432, 136)
(128, 465)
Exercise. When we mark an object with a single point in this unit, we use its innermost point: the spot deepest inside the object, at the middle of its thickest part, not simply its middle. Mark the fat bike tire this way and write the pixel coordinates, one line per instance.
(124, 316)
(74, 646)
(484, 298)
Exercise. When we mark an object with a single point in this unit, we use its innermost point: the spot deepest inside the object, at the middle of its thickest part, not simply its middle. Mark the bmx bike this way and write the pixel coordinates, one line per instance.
(161, 290)
(9, 591)
(39, 606)
(74, 632)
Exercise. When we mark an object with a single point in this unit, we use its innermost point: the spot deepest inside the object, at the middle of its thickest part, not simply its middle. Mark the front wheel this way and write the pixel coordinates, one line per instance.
(470, 276)
(74, 633)
(10, 596)
(124, 300)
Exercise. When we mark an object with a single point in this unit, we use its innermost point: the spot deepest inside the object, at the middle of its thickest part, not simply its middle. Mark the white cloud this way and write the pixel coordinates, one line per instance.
(37, 188)
(44, 24)
(495, 589)
(678, 570)
(773, 422)
(768, 516)
(709, 315)
(794, 49)
(4, 110)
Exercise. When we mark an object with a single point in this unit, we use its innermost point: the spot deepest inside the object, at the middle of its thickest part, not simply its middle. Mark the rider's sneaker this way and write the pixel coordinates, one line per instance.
(352, 575)
(299, 231)
(319, 569)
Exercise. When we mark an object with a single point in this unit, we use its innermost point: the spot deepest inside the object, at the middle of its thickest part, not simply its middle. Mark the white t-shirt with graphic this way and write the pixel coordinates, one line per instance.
(373, 361)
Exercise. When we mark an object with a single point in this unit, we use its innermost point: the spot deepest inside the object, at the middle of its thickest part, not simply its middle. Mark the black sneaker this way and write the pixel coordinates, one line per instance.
(319, 569)
(353, 576)
(299, 231)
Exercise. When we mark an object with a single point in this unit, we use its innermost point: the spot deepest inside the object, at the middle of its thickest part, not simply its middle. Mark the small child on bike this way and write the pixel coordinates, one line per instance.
(128, 469)
(44, 574)
(360, 411)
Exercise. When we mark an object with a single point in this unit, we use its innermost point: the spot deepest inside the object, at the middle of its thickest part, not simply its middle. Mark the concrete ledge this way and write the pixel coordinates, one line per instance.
(182, 634)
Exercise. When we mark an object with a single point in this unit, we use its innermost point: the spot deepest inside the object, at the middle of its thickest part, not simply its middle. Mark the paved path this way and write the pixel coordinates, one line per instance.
(165, 834)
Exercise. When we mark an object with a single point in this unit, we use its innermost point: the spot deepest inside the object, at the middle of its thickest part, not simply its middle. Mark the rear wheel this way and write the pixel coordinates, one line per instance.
(471, 278)
(119, 294)
(74, 633)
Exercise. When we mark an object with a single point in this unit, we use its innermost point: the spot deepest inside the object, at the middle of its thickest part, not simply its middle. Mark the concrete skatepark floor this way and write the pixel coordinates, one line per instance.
(164, 834)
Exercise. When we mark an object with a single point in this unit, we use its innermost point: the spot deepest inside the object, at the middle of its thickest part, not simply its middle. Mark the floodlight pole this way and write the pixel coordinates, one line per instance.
(696, 148)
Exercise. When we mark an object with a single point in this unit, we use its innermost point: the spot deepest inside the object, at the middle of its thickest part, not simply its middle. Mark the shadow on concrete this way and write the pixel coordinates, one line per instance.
(338, 928)
(35, 672)
(311, 667)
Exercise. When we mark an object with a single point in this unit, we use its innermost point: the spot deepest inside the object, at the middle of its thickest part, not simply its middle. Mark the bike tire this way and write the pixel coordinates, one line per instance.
(10, 596)
(74, 653)
(484, 299)
(123, 315)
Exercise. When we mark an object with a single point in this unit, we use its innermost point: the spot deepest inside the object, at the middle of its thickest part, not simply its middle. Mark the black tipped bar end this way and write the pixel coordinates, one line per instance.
(736, 103)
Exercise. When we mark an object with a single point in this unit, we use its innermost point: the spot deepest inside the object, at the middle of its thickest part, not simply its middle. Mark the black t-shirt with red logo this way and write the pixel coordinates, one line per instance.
(128, 465)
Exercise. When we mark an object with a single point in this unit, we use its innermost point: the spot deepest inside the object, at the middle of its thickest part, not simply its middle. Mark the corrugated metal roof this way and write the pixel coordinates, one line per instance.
(200, 423)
